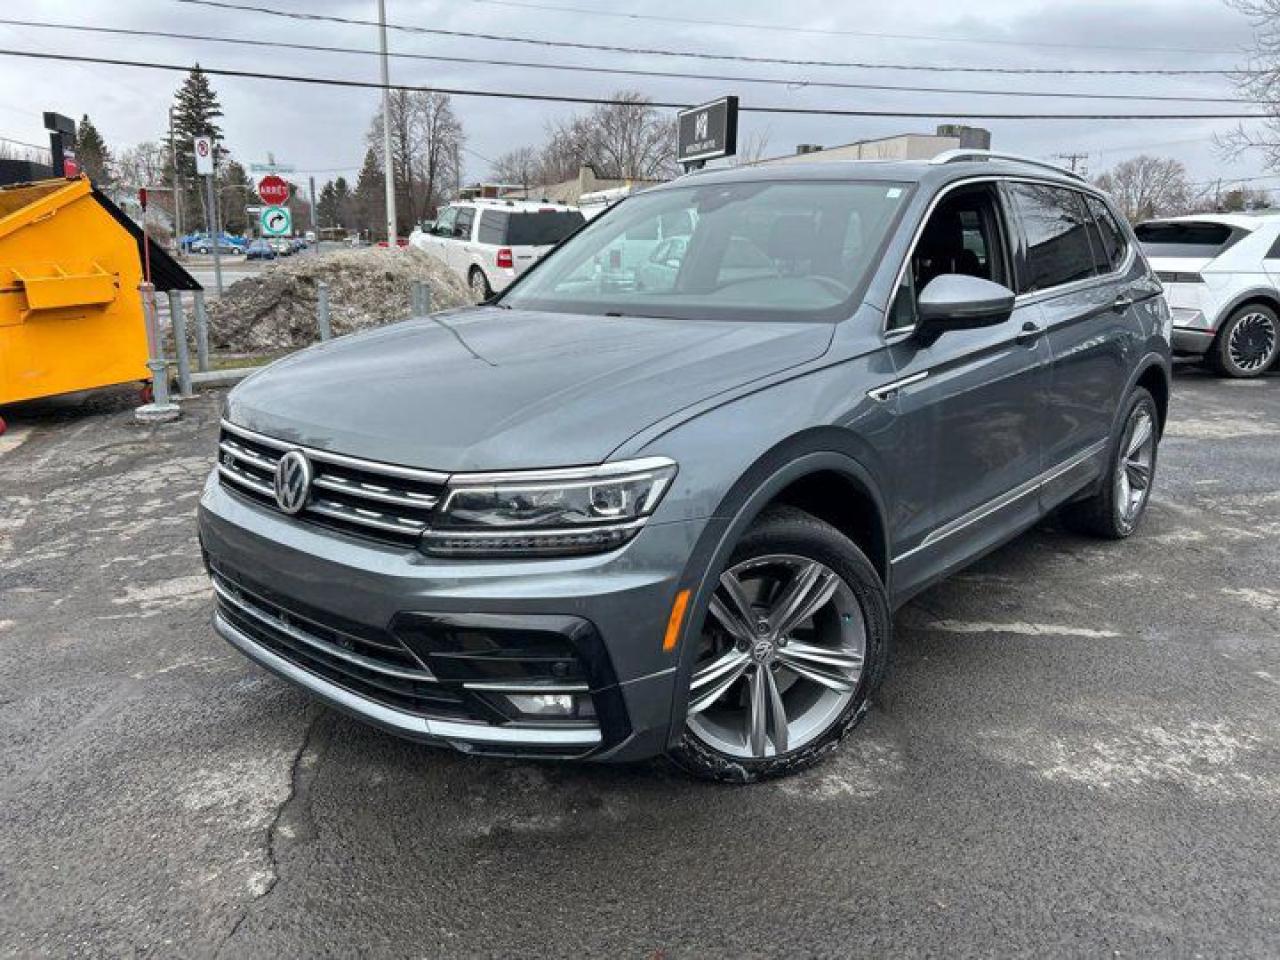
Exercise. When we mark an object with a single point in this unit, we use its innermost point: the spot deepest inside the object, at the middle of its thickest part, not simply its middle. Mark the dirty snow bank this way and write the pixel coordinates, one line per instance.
(276, 309)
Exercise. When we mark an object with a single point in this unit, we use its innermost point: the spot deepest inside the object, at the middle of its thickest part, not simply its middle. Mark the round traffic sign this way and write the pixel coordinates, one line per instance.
(276, 221)
(273, 190)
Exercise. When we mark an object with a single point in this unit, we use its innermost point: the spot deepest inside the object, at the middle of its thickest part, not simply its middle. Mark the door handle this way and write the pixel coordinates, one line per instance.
(1029, 333)
(1122, 303)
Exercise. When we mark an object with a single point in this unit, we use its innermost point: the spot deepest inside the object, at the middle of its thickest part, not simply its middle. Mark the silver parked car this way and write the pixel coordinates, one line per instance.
(608, 517)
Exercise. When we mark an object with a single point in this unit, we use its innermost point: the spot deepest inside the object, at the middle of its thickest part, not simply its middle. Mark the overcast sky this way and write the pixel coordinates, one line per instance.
(322, 130)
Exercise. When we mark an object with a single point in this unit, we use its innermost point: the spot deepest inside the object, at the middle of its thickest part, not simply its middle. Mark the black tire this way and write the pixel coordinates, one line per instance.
(479, 284)
(1100, 515)
(792, 531)
(1263, 327)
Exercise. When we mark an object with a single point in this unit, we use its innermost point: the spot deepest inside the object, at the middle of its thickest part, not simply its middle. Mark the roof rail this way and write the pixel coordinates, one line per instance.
(960, 155)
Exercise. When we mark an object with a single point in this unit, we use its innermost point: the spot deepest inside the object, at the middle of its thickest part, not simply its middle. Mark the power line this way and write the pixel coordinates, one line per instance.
(783, 28)
(790, 84)
(24, 143)
(611, 101)
(703, 55)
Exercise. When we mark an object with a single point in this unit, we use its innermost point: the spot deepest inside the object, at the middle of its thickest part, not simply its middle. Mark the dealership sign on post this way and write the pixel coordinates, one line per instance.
(707, 132)
(203, 149)
(273, 190)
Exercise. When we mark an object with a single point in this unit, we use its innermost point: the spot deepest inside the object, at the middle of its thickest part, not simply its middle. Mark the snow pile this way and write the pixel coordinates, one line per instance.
(368, 287)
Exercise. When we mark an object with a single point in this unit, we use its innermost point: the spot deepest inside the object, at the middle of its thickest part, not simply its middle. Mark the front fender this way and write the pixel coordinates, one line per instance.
(770, 475)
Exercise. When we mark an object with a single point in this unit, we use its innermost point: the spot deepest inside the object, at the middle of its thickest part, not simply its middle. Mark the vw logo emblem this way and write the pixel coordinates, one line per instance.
(293, 482)
(762, 650)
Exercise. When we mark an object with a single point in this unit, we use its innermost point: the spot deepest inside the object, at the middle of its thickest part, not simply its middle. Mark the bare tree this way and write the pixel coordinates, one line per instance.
(519, 166)
(1147, 187)
(144, 165)
(426, 136)
(1259, 82)
(630, 139)
(752, 149)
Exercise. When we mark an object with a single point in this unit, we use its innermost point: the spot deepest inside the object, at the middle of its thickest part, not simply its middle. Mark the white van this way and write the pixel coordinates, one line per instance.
(489, 243)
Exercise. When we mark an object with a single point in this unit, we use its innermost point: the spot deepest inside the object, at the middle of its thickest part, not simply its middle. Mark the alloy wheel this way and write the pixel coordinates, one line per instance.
(1252, 342)
(780, 659)
(479, 286)
(1135, 466)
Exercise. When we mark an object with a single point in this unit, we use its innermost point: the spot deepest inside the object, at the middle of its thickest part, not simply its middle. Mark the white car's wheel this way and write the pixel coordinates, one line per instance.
(1248, 343)
(480, 289)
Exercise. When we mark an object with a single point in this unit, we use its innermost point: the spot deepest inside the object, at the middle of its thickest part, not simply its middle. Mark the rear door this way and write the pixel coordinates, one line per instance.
(441, 237)
(1066, 268)
(970, 403)
(459, 250)
(530, 234)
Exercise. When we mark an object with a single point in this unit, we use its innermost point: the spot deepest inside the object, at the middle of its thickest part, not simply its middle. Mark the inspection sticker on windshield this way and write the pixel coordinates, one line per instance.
(894, 193)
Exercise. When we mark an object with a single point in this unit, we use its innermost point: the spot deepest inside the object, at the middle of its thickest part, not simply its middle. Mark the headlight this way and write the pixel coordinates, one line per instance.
(546, 513)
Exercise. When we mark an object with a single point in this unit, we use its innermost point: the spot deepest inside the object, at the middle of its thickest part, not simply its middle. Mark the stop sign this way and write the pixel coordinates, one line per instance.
(273, 190)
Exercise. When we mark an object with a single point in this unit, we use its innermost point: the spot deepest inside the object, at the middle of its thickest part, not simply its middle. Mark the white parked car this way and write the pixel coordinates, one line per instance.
(1221, 274)
(489, 243)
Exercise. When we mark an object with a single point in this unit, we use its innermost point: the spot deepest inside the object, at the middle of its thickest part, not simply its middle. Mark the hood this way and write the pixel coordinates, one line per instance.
(497, 389)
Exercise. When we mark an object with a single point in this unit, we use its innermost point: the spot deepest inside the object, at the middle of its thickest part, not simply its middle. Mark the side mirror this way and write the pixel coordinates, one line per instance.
(955, 301)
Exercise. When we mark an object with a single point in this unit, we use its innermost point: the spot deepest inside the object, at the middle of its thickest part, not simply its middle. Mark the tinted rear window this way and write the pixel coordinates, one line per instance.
(1110, 233)
(1057, 230)
(541, 229)
(1185, 239)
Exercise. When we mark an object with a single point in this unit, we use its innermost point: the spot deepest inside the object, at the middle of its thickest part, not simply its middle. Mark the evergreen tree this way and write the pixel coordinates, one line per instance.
(92, 153)
(235, 193)
(342, 201)
(327, 206)
(196, 111)
(370, 213)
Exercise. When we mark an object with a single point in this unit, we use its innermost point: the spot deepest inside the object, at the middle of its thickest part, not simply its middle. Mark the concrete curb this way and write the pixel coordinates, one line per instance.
(221, 378)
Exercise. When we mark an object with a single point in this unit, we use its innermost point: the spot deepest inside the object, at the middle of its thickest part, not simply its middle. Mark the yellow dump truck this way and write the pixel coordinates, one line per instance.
(71, 317)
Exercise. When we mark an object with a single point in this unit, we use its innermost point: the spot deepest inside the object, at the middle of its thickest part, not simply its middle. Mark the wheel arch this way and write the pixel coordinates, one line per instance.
(803, 472)
(1260, 296)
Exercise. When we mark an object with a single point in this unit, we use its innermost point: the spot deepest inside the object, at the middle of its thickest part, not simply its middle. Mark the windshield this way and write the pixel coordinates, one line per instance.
(759, 250)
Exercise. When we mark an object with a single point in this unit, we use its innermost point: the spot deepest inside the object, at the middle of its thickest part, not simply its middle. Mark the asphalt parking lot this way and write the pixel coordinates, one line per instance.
(1077, 752)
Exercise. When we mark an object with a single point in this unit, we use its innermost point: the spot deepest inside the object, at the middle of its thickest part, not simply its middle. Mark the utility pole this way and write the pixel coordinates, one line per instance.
(387, 168)
(177, 185)
(1074, 159)
(315, 230)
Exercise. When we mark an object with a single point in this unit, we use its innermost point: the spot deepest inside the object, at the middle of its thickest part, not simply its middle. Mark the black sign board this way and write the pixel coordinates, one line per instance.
(707, 131)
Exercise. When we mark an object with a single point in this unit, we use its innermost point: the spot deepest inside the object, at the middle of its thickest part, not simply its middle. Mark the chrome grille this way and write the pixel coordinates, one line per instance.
(383, 501)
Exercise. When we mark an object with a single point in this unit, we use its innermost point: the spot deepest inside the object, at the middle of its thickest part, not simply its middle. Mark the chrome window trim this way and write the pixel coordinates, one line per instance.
(1009, 497)
(1022, 299)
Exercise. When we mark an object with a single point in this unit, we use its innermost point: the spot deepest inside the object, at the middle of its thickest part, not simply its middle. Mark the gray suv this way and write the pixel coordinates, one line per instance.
(614, 517)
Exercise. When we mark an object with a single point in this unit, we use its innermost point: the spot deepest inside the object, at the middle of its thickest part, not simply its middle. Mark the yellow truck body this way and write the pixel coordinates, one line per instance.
(70, 313)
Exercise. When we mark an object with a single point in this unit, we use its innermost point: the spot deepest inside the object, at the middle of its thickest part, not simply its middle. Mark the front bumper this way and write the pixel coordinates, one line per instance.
(348, 587)
(1189, 342)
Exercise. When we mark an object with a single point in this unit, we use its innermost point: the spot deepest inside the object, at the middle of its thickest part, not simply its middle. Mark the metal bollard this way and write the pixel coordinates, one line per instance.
(179, 321)
(161, 407)
(202, 333)
(415, 298)
(426, 298)
(322, 310)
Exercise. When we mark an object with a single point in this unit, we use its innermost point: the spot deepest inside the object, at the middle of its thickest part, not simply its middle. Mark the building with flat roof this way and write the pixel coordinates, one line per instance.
(903, 146)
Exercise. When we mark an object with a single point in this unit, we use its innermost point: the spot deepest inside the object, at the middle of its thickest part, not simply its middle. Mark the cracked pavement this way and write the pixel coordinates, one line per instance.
(1077, 752)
